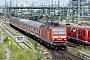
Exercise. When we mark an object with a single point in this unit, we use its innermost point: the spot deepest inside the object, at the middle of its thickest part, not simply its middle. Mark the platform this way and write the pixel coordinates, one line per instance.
(84, 54)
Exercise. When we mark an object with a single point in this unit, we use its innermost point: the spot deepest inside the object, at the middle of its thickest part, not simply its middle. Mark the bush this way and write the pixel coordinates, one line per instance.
(2, 52)
(82, 47)
(6, 39)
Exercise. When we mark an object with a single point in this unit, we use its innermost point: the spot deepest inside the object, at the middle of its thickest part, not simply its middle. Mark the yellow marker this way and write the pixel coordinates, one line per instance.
(9, 42)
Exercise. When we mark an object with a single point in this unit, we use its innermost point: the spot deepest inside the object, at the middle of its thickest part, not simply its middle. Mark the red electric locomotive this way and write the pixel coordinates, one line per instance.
(50, 35)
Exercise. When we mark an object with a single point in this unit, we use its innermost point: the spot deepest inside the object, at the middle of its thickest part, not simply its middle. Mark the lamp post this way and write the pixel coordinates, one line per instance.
(79, 10)
(5, 9)
(82, 10)
(73, 11)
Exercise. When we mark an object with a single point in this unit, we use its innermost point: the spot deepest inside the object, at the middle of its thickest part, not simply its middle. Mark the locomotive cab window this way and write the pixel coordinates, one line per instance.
(62, 31)
(55, 32)
(59, 31)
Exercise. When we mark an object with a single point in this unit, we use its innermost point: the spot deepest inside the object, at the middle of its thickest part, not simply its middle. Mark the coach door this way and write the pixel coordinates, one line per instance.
(76, 34)
(89, 36)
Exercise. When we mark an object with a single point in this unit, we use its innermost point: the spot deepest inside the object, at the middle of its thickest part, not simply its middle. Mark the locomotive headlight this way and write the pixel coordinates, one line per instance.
(53, 39)
(86, 41)
(64, 39)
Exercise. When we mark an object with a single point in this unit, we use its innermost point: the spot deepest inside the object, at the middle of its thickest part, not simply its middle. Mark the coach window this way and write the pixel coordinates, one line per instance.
(84, 33)
(79, 32)
(20, 24)
(88, 33)
(34, 28)
(16, 22)
(28, 27)
(69, 29)
(31, 28)
(24, 25)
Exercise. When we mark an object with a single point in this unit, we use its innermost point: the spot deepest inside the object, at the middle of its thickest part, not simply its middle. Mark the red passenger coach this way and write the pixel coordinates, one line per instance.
(78, 33)
(89, 36)
(14, 21)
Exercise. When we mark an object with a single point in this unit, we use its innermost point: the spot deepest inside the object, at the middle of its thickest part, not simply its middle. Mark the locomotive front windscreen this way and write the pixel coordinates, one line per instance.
(59, 31)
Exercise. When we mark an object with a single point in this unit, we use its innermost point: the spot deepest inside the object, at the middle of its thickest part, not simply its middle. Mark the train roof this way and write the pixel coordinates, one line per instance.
(35, 23)
(77, 26)
(31, 22)
(80, 26)
(25, 20)
(87, 25)
(16, 18)
(49, 26)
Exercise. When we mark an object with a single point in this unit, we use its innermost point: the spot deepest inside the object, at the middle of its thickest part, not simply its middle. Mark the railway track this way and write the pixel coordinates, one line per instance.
(12, 35)
(71, 44)
(69, 56)
(63, 55)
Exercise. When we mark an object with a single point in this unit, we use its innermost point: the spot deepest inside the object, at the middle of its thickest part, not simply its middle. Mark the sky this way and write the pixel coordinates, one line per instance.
(38, 2)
